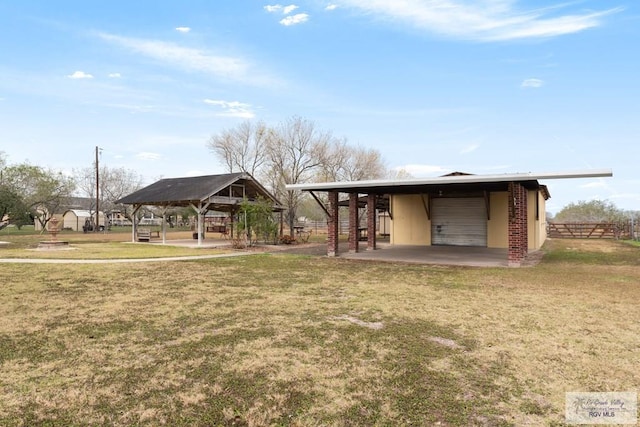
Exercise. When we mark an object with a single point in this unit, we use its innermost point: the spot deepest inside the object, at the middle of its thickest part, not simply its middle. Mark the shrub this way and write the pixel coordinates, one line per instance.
(287, 239)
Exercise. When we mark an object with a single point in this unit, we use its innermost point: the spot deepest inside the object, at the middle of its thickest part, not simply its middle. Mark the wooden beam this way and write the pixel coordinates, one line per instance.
(324, 208)
(487, 203)
(512, 202)
(426, 203)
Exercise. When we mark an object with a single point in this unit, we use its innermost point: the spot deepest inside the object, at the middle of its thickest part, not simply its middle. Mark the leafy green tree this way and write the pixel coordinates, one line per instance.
(10, 204)
(591, 211)
(256, 221)
(41, 191)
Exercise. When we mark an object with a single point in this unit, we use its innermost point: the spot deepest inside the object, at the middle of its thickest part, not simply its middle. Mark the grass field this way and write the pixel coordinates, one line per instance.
(291, 340)
(98, 246)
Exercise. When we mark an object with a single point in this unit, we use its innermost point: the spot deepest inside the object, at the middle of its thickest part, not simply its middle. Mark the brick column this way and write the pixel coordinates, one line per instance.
(353, 222)
(371, 222)
(332, 225)
(518, 231)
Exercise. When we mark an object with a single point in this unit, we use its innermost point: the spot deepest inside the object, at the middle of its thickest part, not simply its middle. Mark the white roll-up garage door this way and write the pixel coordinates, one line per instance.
(459, 221)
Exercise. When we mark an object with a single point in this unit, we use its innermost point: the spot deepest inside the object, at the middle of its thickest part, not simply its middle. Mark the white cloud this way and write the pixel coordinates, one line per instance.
(232, 108)
(627, 196)
(469, 148)
(294, 19)
(484, 20)
(595, 184)
(183, 29)
(288, 9)
(273, 8)
(227, 67)
(115, 75)
(80, 75)
(146, 155)
(532, 83)
(331, 7)
(279, 8)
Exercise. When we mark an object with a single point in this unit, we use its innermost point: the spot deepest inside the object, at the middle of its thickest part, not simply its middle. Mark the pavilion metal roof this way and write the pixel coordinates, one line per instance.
(193, 190)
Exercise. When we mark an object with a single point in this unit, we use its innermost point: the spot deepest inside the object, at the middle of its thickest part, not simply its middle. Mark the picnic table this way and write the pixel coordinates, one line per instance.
(301, 234)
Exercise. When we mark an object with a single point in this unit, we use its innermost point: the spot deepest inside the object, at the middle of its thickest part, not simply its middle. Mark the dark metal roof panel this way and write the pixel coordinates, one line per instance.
(182, 190)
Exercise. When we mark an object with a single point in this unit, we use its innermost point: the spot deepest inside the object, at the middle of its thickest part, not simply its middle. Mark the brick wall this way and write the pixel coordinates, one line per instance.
(518, 232)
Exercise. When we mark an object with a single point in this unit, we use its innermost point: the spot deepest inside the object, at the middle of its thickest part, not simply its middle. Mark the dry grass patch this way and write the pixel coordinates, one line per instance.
(288, 340)
(100, 246)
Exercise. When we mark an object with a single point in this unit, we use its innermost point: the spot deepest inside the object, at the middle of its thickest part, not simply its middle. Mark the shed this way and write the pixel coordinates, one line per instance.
(75, 219)
(221, 193)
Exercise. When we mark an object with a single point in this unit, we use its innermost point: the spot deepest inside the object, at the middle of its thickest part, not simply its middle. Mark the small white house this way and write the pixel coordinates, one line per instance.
(76, 219)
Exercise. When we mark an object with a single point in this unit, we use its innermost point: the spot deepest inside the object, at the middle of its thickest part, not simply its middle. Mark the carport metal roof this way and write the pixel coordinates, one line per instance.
(464, 182)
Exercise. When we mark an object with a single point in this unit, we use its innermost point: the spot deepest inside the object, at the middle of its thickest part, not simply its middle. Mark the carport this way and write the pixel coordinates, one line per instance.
(220, 193)
(499, 214)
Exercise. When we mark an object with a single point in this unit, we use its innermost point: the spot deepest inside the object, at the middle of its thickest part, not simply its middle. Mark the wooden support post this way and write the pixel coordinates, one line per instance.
(353, 222)
(371, 222)
(332, 223)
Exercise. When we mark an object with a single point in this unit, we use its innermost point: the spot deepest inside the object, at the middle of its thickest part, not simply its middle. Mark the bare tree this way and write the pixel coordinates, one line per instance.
(115, 183)
(296, 150)
(345, 163)
(293, 152)
(242, 148)
(400, 173)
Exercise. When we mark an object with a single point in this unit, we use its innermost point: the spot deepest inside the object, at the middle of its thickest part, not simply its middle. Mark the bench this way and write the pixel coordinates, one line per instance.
(218, 228)
(144, 234)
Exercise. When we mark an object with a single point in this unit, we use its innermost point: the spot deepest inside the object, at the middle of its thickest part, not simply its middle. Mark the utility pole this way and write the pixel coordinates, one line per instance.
(97, 226)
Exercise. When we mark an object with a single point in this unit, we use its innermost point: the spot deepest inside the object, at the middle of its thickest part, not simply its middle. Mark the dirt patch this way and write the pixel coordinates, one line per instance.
(591, 245)
(370, 325)
(445, 342)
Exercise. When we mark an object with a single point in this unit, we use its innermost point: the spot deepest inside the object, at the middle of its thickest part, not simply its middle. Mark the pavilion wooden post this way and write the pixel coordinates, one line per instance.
(134, 223)
(164, 225)
(201, 210)
(332, 225)
(371, 222)
(199, 224)
(353, 223)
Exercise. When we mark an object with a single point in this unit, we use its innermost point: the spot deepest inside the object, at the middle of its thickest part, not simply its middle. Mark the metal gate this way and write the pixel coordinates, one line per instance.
(459, 221)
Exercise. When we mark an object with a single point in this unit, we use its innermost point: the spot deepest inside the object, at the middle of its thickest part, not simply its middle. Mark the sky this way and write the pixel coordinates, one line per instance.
(477, 86)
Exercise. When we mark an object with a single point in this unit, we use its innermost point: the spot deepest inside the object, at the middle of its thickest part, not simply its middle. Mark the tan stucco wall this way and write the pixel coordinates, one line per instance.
(410, 225)
(498, 225)
(537, 228)
(542, 223)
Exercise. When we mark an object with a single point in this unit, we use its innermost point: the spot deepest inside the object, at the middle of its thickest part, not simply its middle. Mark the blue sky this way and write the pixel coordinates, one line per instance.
(480, 86)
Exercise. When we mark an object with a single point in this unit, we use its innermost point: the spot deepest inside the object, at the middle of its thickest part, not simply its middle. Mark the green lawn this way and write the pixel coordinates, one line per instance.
(303, 341)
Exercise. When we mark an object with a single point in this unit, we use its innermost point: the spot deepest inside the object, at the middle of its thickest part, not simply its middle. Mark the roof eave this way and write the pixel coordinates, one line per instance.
(460, 179)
